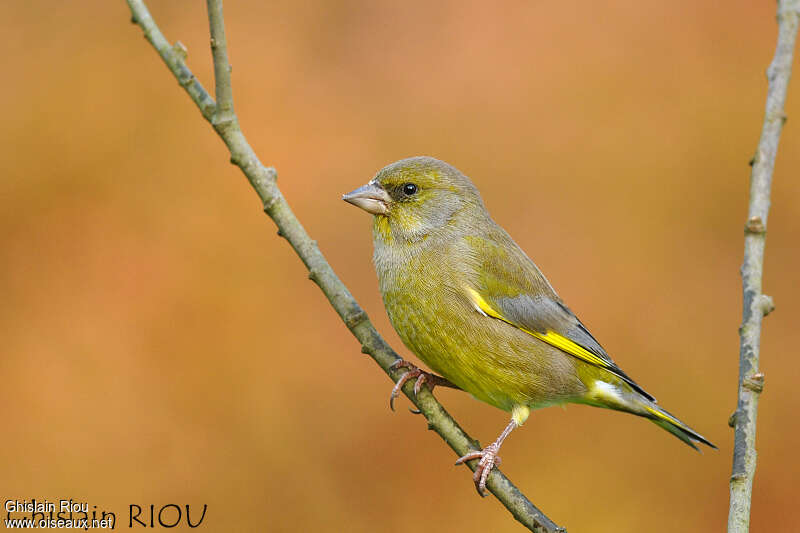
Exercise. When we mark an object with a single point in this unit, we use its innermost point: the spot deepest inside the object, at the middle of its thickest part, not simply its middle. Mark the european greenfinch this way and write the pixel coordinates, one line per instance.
(473, 307)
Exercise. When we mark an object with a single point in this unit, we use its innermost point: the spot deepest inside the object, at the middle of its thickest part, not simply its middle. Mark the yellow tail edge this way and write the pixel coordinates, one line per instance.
(663, 419)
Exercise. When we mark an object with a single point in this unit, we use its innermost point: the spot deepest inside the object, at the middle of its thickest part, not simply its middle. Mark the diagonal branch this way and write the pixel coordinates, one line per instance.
(263, 180)
(755, 304)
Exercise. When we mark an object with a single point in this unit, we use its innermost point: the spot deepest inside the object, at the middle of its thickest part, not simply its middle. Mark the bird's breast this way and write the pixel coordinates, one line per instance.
(421, 293)
(426, 297)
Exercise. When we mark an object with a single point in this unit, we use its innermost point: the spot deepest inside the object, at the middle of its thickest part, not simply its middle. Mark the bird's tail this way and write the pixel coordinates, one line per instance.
(663, 419)
(622, 396)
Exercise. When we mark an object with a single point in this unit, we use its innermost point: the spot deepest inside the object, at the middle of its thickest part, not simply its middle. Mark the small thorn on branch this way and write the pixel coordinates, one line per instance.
(269, 203)
(180, 50)
(755, 226)
(738, 477)
(767, 304)
(187, 81)
(221, 123)
(732, 419)
(755, 382)
(354, 319)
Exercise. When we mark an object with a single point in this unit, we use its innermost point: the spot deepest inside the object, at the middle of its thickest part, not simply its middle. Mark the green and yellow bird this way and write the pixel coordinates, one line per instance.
(474, 308)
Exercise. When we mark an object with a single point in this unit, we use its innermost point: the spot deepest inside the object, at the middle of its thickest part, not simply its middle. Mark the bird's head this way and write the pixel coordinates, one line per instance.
(415, 197)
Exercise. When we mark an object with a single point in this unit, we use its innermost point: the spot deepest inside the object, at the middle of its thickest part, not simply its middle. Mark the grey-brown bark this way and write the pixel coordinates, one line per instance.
(755, 304)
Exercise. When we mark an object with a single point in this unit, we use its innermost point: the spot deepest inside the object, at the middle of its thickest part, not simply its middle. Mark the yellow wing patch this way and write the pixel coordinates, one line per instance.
(572, 348)
(550, 337)
(664, 416)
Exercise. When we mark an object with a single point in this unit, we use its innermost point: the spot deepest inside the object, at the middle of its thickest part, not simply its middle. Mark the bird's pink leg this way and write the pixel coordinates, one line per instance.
(422, 378)
(488, 459)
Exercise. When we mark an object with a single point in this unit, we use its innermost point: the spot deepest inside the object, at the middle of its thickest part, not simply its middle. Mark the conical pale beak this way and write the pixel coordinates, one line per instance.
(371, 198)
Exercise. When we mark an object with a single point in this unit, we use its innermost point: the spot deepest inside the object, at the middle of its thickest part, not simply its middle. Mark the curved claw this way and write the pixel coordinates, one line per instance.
(422, 377)
(415, 373)
(469, 457)
(400, 363)
(488, 460)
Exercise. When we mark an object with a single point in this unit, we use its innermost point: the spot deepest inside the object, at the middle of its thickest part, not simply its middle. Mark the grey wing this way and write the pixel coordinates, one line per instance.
(543, 313)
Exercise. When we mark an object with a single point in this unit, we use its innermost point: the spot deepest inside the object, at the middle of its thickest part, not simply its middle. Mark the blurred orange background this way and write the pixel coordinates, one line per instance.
(161, 345)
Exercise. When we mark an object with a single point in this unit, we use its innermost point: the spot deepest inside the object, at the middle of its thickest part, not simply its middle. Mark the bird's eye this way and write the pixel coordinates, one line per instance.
(409, 189)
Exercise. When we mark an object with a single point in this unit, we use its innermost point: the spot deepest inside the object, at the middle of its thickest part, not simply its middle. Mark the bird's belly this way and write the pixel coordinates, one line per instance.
(494, 361)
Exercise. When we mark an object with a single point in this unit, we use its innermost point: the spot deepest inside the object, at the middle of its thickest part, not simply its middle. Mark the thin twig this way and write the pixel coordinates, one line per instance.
(755, 304)
(222, 67)
(263, 180)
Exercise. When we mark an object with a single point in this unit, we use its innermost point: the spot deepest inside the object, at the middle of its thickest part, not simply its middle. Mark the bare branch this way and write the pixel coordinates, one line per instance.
(174, 57)
(263, 180)
(755, 304)
(222, 68)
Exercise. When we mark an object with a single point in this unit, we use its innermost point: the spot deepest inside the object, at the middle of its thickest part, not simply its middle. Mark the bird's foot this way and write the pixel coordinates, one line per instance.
(421, 376)
(488, 459)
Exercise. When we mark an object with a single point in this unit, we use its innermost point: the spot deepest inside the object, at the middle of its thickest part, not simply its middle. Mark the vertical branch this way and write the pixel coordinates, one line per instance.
(222, 67)
(755, 304)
